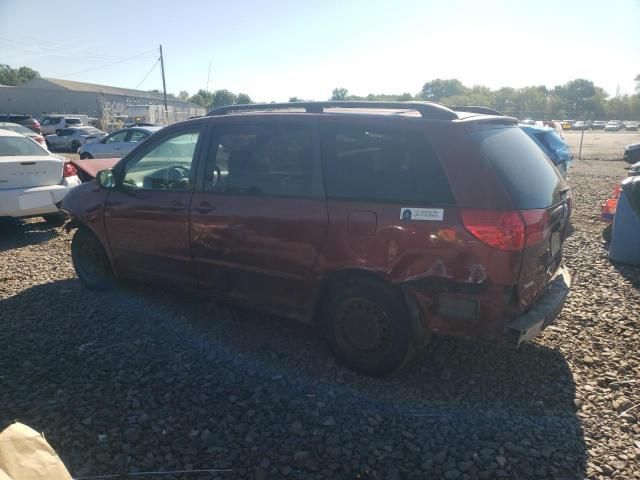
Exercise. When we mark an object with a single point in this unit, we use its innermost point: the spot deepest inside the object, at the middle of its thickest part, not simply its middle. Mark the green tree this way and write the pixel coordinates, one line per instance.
(295, 99)
(16, 76)
(637, 80)
(222, 98)
(243, 99)
(183, 95)
(438, 89)
(204, 98)
(339, 94)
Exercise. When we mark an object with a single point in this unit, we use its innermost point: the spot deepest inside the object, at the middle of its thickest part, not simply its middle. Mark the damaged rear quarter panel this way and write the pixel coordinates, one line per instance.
(426, 258)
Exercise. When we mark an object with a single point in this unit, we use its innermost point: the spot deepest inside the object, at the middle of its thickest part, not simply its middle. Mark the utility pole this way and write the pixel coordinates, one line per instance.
(208, 75)
(164, 85)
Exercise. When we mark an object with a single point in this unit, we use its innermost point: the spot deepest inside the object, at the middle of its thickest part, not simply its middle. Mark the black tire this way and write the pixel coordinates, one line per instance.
(368, 327)
(75, 146)
(627, 158)
(607, 233)
(86, 156)
(91, 262)
(54, 219)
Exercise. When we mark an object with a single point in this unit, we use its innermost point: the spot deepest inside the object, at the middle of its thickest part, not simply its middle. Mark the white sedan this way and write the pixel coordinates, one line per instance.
(33, 181)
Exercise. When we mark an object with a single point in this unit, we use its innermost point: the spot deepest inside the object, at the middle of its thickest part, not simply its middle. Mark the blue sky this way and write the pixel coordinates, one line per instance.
(276, 49)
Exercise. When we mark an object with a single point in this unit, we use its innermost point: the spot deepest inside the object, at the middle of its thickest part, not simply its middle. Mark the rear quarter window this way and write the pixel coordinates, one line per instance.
(383, 165)
(521, 165)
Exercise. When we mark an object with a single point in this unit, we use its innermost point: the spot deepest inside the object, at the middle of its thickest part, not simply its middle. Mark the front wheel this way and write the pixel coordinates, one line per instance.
(85, 156)
(75, 146)
(90, 261)
(368, 327)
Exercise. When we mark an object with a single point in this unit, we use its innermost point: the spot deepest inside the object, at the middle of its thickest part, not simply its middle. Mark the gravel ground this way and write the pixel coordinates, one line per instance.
(598, 144)
(148, 380)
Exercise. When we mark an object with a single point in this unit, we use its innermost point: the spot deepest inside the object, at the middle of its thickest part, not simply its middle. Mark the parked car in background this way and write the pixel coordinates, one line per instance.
(21, 119)
(580, 125)
(552, 144)
(612, 126)
(52, 123)
(379, 225)
(598, 124)
(117, 144)
(631, 126)
(565, 124)
(631, 153)
(14, 127)
(71, 139)
(33, 181)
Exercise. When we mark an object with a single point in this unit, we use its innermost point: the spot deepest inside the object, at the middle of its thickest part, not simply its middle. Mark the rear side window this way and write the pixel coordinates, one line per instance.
(382, 164)
(73, 121)
(522, 166)
(51, 121)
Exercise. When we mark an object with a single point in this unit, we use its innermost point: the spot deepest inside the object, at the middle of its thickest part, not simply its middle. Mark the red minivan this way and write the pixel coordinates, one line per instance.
(381, 223)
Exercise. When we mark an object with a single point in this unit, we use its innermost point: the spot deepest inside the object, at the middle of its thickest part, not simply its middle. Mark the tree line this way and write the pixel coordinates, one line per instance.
(577, 99)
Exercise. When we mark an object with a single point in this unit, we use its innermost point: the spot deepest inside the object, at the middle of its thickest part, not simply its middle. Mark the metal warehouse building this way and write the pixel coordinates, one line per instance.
(42, 96)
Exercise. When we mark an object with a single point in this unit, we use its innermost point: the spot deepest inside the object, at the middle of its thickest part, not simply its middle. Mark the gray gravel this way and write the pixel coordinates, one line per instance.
(148, 380)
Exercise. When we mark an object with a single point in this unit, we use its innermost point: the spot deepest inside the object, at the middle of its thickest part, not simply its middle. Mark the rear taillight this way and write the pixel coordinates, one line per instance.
(504, 230)
(537, 225)
(69, 170)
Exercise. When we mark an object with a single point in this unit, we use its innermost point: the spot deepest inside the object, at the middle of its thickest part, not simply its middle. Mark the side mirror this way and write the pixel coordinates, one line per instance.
(106, 179)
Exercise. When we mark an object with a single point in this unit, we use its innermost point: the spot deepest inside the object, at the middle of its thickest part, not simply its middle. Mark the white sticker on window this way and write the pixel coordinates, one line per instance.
(433, 214)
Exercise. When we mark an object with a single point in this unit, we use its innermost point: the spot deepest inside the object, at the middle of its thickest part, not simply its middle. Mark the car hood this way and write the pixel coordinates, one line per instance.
(94, 165)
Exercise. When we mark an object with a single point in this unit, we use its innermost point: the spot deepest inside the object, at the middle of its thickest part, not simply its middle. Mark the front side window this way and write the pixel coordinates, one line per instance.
(116, 137)
(167, 166)
(381, 164)
(261, 160)
(73, 121)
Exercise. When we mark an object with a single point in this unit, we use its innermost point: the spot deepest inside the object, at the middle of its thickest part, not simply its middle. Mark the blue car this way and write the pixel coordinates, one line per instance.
(550, 142)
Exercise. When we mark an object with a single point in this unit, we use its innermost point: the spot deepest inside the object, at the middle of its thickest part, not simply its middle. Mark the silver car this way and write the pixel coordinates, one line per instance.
(71, 138)
(116, 144)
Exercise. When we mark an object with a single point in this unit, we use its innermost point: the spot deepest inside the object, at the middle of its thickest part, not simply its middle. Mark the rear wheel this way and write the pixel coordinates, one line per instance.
(85, 156)
(368, 327)
(607, 233)
(90, 261)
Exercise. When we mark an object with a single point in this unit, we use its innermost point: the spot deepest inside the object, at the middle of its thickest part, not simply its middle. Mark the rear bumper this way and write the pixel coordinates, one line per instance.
(543, 313)
(26, 202)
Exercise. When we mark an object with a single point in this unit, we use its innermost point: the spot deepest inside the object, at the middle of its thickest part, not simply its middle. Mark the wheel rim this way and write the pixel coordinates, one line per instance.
(363, 325)
(91, 262)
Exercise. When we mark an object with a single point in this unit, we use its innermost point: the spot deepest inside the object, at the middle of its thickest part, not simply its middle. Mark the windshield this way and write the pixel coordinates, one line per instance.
(16, 128)
(19, 147)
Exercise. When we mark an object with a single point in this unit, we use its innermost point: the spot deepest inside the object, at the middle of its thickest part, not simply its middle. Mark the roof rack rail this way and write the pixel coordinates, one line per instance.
(426, 109)
(476, 109)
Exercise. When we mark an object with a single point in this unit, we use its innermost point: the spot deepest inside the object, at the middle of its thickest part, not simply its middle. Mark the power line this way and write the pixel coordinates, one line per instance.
(148, 73)
(107, 65)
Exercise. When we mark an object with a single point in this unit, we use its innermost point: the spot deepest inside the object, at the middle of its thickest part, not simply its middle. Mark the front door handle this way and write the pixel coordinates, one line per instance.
(204, 207)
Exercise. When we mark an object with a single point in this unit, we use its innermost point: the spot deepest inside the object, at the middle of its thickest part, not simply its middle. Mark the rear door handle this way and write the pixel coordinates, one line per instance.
(204, 207)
